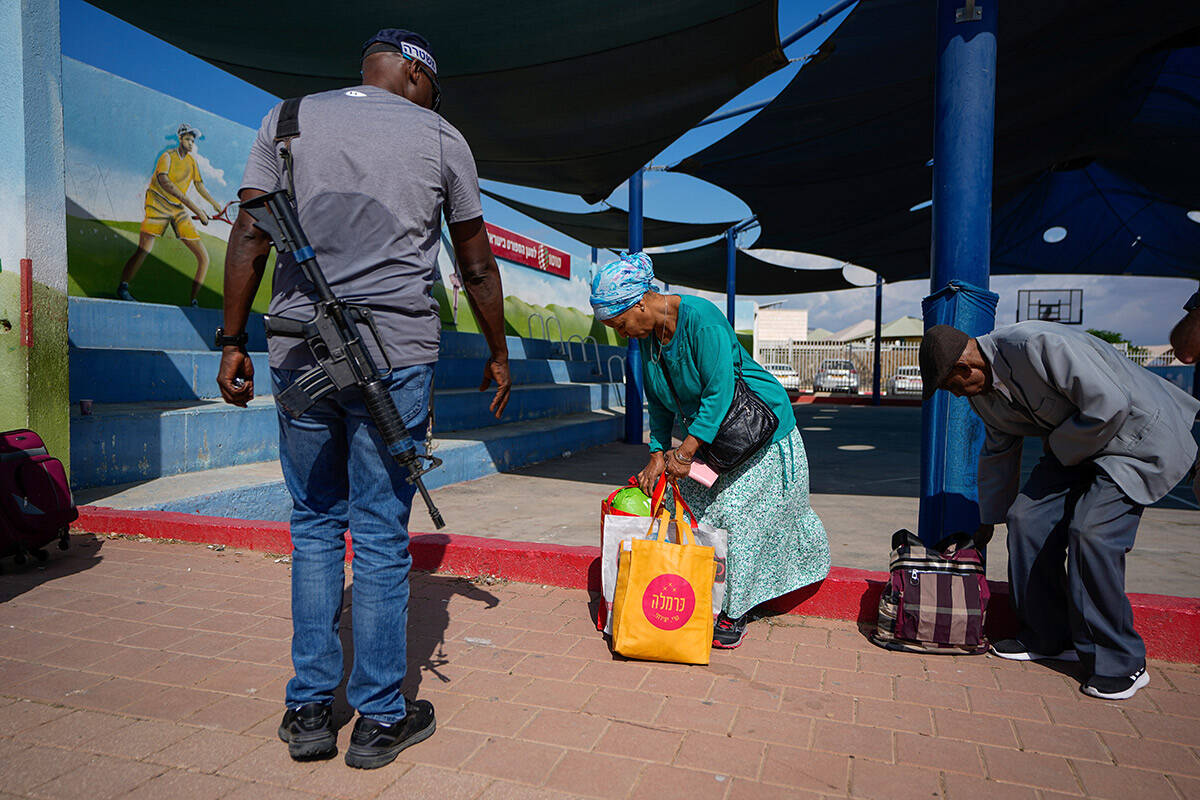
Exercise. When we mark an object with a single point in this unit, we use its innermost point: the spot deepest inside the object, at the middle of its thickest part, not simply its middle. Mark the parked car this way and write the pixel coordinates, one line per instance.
(907, 380)
(836, 375)
(788, 377)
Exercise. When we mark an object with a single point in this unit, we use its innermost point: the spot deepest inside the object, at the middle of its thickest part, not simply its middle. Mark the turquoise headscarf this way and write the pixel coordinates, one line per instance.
(619, 285)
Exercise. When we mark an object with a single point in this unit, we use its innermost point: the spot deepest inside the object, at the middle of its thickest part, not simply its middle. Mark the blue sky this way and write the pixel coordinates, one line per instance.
(1142, 308)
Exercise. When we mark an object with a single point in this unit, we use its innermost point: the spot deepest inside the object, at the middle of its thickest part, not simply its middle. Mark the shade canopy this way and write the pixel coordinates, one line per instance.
(1103, 224)
(704, 268)
(571, 96)
(1098, 101)
(610, 227)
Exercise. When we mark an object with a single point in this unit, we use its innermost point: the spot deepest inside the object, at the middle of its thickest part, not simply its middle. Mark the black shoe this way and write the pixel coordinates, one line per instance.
(308, 731)
(1014, 650)
(728, 633)
(1121, 688)
(123, 292)
(375, 744)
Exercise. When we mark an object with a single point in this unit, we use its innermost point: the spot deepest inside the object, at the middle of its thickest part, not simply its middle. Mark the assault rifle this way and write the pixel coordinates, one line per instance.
(333, 335)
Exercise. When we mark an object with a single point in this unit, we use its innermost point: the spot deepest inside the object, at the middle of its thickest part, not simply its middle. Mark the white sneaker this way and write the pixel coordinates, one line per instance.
(1121, 688)
(1013, 650)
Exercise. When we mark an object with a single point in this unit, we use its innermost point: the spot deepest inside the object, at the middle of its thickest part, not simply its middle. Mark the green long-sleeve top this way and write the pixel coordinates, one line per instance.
(701, 357)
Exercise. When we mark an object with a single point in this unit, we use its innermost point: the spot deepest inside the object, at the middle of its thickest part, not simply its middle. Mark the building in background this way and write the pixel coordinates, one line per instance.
(776, 326)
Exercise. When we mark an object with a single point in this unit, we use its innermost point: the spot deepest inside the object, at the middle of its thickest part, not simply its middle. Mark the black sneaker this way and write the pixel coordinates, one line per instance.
(308, 731)
(728, 633)
(1121, 688)
(375, 744)
(123, 292)
(1014, 650)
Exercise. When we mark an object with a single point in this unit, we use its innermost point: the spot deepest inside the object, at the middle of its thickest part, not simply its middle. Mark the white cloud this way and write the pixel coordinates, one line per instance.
(788, 258)
(208, 169)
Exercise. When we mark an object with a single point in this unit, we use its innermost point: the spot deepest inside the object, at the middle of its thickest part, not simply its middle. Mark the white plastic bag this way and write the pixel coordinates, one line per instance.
(618, 528)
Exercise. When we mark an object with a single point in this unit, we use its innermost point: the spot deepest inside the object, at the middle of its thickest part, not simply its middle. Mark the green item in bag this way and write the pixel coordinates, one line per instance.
(632, 500)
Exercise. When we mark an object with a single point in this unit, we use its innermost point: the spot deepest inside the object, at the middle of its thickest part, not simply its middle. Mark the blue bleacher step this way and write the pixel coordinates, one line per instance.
(98, 323)
(256, 491)
(113, 375)
(119, 375)
(467, 409)
(123, 442)
(93, 322)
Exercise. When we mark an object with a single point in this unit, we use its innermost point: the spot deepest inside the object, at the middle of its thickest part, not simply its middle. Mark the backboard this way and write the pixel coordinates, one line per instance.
(1051, 305)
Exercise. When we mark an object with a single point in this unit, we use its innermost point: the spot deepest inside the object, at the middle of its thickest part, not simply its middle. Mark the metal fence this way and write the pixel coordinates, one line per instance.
(807, 359)
(1147, 357)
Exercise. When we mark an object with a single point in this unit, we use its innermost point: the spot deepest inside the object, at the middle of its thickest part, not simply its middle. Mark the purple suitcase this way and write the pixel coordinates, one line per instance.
(36, 506)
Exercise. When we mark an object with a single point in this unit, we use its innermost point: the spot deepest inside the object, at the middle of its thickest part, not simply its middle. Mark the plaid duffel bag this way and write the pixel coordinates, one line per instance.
(936, 600)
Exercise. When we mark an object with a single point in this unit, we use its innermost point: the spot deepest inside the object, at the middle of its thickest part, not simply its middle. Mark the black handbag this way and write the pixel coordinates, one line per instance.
(748, 425)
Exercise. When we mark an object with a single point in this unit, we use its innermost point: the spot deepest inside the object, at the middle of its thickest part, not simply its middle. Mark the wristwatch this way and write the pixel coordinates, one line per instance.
(221, 340)
(1193, 302)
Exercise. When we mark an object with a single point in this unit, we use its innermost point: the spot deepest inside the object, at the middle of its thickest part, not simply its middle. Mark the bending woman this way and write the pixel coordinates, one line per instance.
(776, 541)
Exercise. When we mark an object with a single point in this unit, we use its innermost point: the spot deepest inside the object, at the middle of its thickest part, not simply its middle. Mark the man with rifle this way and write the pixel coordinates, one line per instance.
(371, 169)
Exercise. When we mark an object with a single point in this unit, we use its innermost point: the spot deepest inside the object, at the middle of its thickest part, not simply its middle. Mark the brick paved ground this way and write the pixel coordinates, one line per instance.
(140, 669)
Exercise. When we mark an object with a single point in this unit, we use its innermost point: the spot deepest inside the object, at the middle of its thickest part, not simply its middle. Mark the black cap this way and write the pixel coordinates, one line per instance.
(940, 349)
(395, 39)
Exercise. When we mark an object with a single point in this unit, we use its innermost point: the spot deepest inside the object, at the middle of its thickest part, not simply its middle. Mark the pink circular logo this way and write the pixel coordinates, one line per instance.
(669, 602)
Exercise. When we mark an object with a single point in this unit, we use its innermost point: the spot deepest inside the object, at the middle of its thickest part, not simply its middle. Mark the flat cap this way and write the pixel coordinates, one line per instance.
(940, 349)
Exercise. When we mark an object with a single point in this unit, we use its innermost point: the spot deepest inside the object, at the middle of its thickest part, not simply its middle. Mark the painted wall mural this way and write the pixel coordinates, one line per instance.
(150, 180)
(147, 178)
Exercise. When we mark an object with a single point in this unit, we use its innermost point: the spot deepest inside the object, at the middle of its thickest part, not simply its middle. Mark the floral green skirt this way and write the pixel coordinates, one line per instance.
(776, 541)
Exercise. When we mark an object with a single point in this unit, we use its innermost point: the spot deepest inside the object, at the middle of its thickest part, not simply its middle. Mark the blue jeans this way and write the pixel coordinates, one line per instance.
(341, 477)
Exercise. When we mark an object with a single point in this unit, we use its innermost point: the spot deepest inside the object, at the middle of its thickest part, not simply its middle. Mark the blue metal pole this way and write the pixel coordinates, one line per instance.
(878, 335)
(1196, 380)
(633, 353)
(964, 125)
(731, 273)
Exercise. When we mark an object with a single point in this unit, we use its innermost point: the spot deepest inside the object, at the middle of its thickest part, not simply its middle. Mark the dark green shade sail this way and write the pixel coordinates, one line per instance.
(704, 268)
(571, 95)
(1097, 132)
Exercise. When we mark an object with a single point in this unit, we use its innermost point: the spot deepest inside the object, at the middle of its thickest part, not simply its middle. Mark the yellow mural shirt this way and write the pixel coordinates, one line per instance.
(181, 171)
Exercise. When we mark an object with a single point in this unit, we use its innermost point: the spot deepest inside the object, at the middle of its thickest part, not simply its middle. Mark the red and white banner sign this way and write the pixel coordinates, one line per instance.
(523, 250)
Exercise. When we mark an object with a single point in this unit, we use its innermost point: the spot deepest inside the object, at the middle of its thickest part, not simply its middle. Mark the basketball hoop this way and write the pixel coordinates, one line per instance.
(1064, 306)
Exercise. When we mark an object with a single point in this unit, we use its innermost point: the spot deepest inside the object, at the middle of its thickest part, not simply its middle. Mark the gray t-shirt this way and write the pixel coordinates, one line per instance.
(374, 172)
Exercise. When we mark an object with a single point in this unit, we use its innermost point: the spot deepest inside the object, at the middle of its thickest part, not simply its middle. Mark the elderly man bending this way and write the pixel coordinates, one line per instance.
(1116, 439)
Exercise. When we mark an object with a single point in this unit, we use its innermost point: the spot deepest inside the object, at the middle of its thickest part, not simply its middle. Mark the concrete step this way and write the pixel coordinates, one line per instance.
(256, 491)
(94, 322)
(100, 323)
(128, 375)
(112, 375)
(122, 442)
(467, 409)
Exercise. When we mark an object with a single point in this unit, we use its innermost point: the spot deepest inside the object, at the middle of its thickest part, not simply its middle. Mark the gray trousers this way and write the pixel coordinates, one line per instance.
(1068, 532)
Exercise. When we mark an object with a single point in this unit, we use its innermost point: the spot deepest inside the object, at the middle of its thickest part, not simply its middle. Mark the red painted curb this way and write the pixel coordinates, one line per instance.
(1170, 626)
(854, 400)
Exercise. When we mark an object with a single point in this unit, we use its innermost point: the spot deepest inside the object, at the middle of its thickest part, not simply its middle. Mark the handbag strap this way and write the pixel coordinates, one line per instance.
(674, 395)
(737, 371)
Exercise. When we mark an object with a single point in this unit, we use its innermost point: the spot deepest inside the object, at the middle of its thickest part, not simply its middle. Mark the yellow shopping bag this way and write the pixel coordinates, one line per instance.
(662, 609)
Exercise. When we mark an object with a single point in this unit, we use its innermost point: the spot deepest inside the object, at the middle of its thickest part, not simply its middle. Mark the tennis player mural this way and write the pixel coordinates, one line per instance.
(146, 176)
(168, 205)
